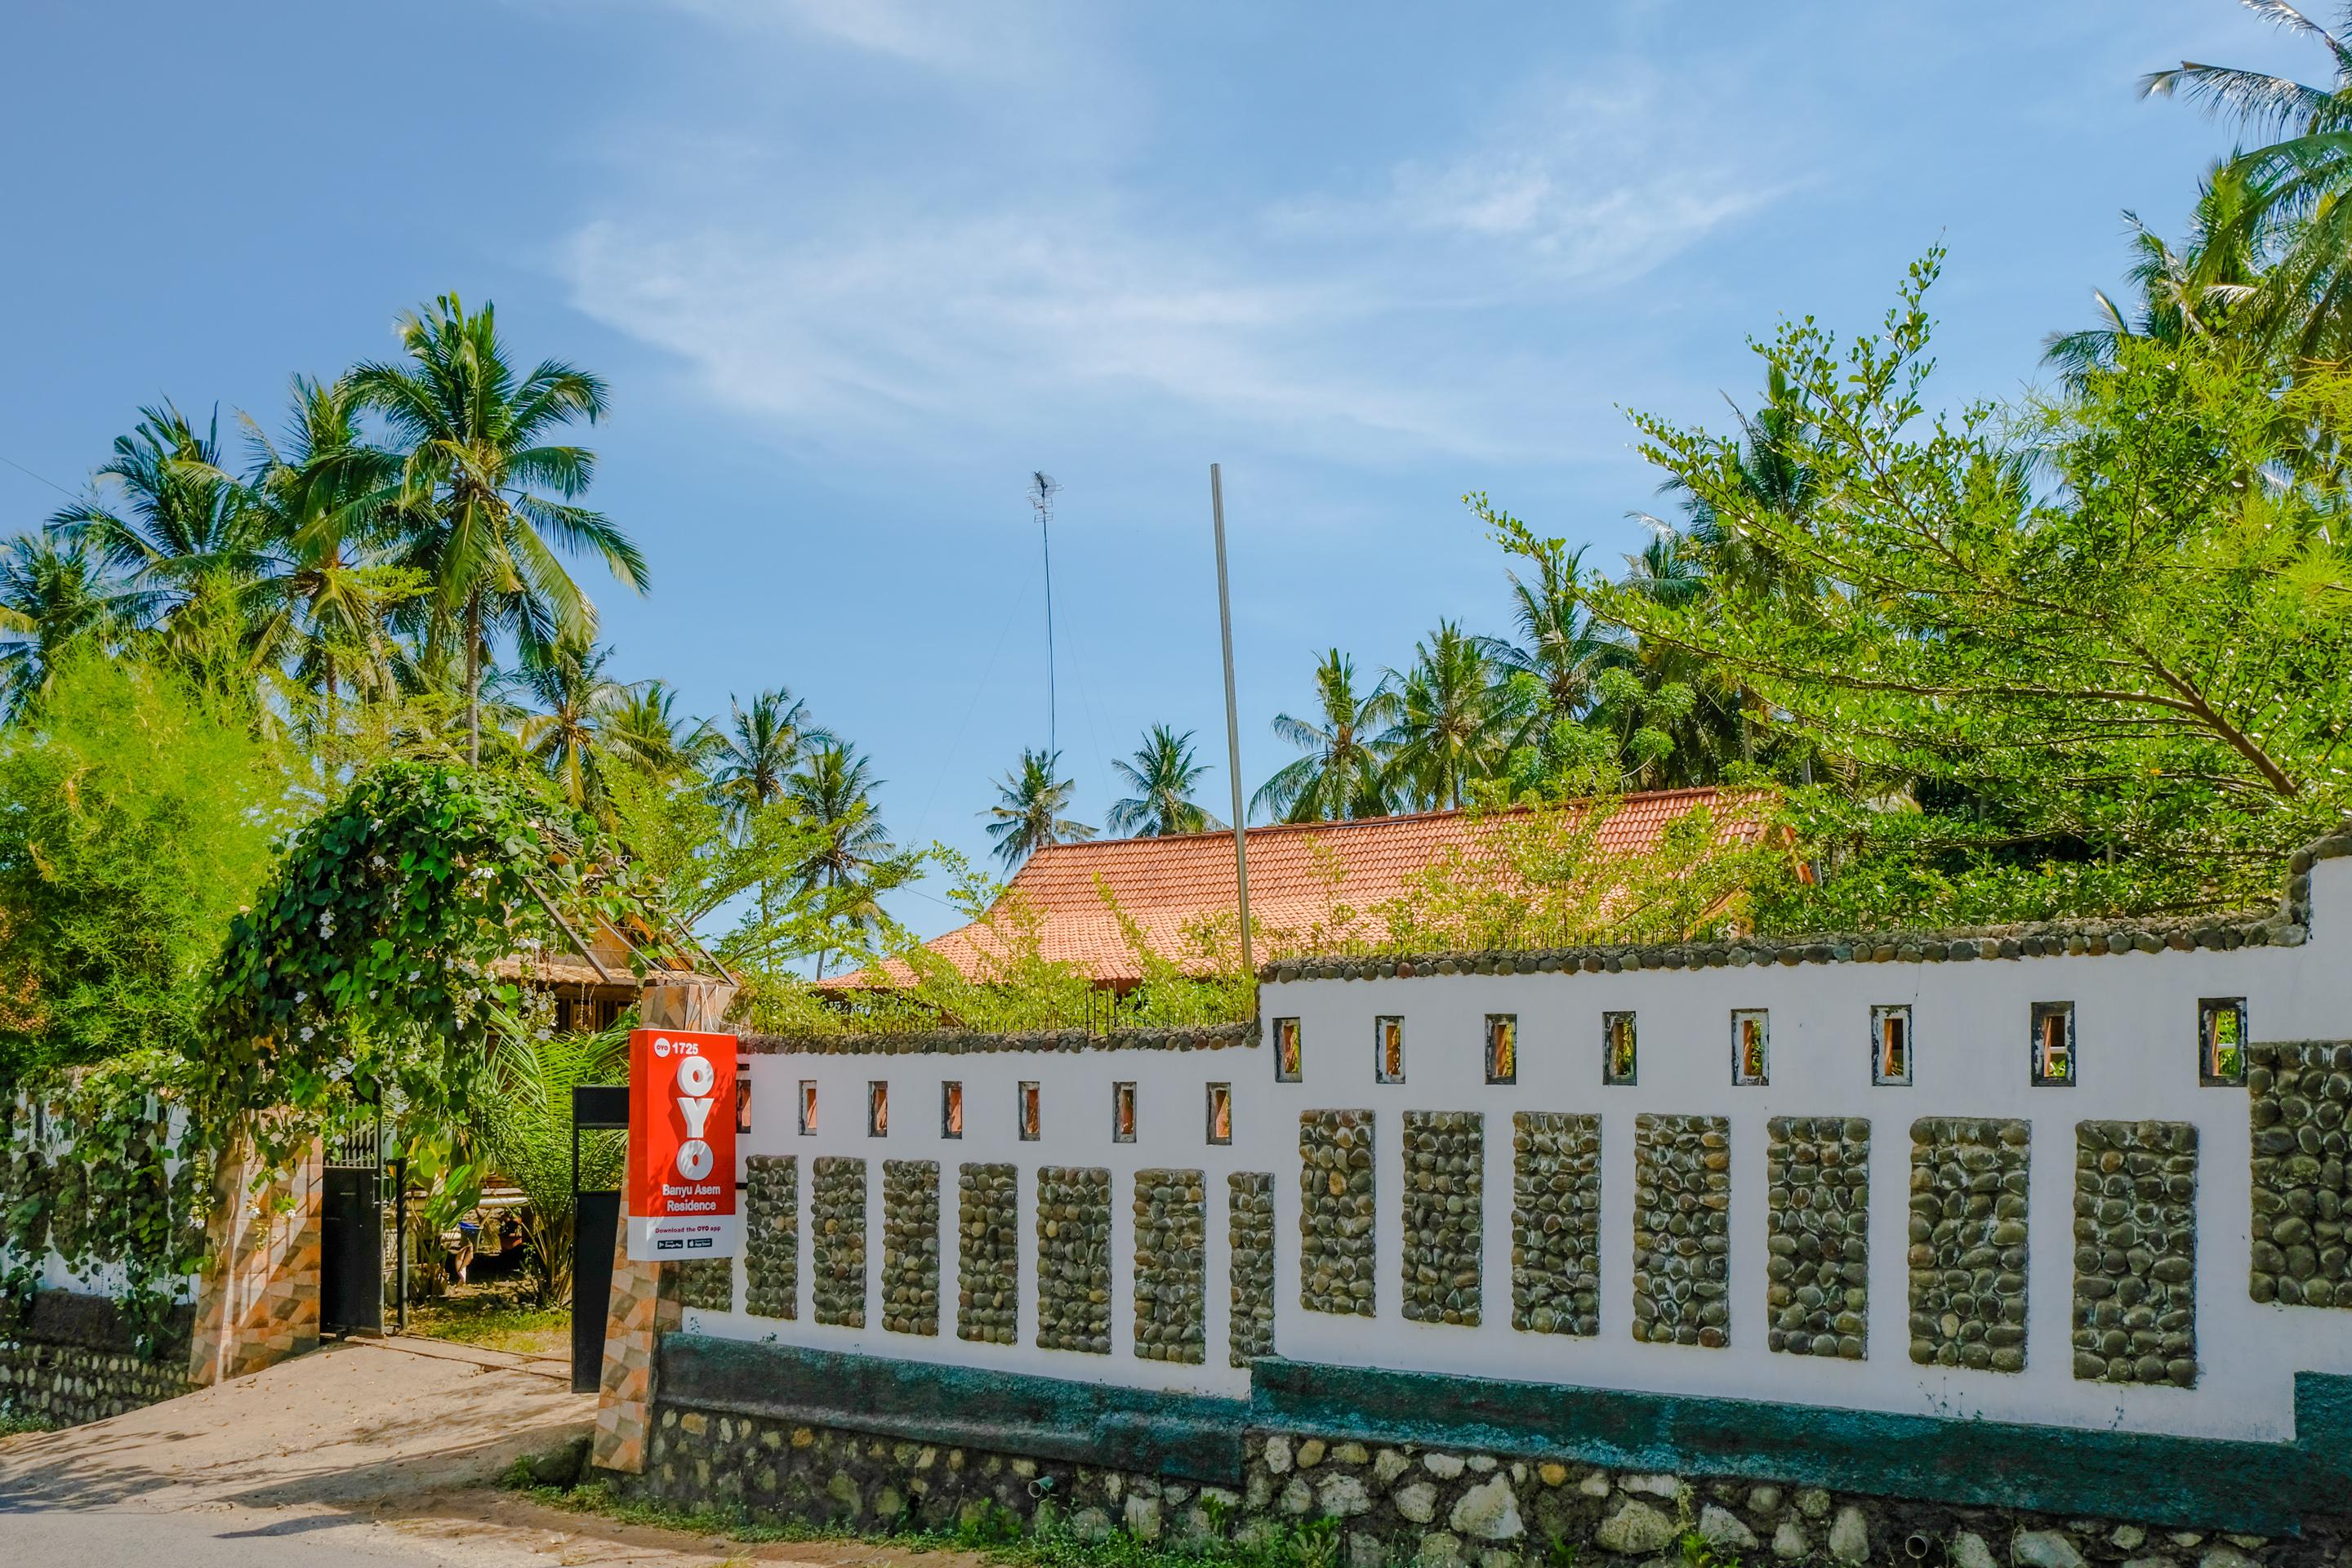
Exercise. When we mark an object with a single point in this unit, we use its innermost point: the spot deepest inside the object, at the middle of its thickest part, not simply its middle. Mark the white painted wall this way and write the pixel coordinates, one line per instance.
(2135, 1029)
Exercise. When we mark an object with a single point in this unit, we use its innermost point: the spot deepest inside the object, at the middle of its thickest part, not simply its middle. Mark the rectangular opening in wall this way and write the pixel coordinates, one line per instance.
(1122, 1113)
(1221, 1113)
(1029, 1119)
(1890, 1045)
(2222, 1041)
(1620, 1058)
(1502, 1048)
(2053, 1043)
(878, 1110)
(743, 1101)
(1387, 1049)
(1751, 1045)
(951, 1110)
(1285, 1050)
(808, 1106)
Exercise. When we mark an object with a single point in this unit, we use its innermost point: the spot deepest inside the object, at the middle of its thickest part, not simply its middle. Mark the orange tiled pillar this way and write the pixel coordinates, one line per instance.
(257, 1302)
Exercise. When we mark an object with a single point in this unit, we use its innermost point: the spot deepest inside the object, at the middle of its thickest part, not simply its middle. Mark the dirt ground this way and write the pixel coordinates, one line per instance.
(369, 1451)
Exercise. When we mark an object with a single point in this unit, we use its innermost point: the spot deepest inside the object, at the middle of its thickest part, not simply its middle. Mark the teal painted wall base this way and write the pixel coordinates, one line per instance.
(2270, 1488)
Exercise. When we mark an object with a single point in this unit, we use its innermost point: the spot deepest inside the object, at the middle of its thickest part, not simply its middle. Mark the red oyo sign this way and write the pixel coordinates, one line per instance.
(682, 1146)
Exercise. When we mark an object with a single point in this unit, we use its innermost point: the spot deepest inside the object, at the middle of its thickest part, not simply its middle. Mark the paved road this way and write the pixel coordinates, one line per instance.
(362, 1453)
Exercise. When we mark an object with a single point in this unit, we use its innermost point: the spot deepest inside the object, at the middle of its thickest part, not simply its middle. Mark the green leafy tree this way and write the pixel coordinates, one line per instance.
(498, 493)
(1162, 774)
(1027, 814)
(1443, 715)
(1342, 773)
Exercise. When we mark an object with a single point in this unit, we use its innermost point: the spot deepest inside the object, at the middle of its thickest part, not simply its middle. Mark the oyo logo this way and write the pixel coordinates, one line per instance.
(696, 1080)
(661, 1045)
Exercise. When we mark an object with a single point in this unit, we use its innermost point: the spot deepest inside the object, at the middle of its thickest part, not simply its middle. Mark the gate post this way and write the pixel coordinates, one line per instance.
(645, 1304)
(257, 1302)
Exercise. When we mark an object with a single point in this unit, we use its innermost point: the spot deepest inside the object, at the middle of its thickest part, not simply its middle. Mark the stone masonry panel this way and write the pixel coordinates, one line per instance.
(2300, 1099)
(1172, 1265)
(708, 1285)
(1555, 1223)
(1445, 1159)
(988, 1255)
(2135, 1252)
(1817, 1222)
(910, 1247)
(771, 1235)
(1337, 1248)
(1074, 1258)
(1968, 1242)
(1249, 1213)
(837, 1227)
(1682, 1230)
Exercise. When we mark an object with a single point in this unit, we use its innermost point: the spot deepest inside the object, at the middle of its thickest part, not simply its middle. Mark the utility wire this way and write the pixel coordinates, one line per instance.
(42, 478)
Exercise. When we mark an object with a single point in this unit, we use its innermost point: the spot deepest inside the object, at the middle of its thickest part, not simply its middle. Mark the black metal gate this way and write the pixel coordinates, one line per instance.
(350, 1263)
(596, 1222)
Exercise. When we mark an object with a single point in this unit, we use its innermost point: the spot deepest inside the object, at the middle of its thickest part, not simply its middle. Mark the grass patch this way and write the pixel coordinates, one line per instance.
(497, 1315)
(14, 1425)
(998, 1537)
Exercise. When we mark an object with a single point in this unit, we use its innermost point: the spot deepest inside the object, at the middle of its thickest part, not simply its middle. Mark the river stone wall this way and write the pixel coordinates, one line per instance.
(1968, 1242)
(1172, 1265)
(706, 1284)
(1249, 1223)
(771, 1235)
(1682, 1230)
(1337, 1248)
(837, 1241)
(2300, 1098)
(910, 1247)
(66, 1359)
(1074, 1258)
(1555, 1223)
(1817, 1222)
(987, 1256)
(2135, 1252)
(1445, 1183)
(1375, 1504)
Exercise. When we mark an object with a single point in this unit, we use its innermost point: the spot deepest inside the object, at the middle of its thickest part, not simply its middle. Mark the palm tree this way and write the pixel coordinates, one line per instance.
(472, 436)
(2293, 208)
(1441, 714)
(1340, 775)
(565, 736)
(757, 752)
(644, 730)
(1550, 673)
(1028, 813)
(1162, 776)
(2185, 295)
(53, 597)
(833, 788)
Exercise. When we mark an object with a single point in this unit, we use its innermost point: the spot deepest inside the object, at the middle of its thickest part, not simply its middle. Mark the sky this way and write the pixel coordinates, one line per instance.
(854, 269)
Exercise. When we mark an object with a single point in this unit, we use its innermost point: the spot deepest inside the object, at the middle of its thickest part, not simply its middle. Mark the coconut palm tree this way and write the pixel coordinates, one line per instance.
(756, 753)
(1027, 814)
(1440, 715)
(54, 596)
(833, 788)
(574, 707)
(2293, 208)
(474, 440)
(1162, 776)
(1341, 773)
(1548, 674)
(2186, 296)
(645, 730)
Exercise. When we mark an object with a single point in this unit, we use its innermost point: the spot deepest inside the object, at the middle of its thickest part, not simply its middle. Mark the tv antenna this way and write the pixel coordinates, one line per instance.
(1043, 488)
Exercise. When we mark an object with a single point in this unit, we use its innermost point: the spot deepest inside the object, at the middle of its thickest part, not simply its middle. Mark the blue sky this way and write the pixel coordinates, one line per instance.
(855, 267)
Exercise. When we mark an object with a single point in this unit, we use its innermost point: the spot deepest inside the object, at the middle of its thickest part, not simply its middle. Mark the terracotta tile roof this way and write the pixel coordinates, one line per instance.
(1164, 883)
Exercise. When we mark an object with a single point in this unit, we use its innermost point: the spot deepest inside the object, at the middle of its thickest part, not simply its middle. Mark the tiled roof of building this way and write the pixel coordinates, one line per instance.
(1163, 884)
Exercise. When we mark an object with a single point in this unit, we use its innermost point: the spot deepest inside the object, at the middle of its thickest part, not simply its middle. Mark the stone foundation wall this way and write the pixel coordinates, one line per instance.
(1381, 1504)
(771, 1237)
(1249, 1210)
(1555, 1223)
(706, 1284)
(2300, 1099)
(988, 1258)
(1074, 1258)
(1337, 1248)
(2135, 1252)
(837, 1227)
(1968, 1243)
(910, 1247)
(70, 1358)
(1172, 1265)
(1682, 1230)
(1818, 1232)
(1445, 1184)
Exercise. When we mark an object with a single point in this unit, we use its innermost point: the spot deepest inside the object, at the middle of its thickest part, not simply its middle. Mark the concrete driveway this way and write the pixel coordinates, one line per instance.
(364, 1452)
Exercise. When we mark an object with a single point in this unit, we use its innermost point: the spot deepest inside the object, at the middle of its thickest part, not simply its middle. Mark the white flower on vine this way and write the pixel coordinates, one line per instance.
(413, 974)
(307, 1031)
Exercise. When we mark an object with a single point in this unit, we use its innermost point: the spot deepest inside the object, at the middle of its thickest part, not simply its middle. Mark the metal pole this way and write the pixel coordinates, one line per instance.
(400, 1243)
(1233, 718)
